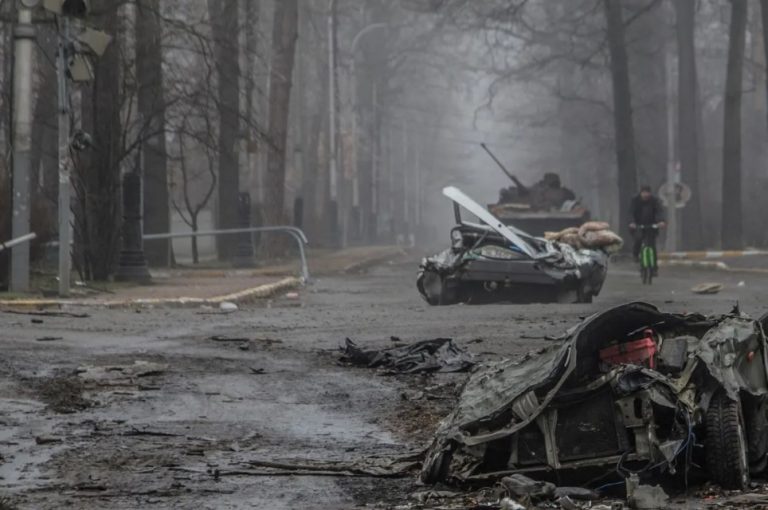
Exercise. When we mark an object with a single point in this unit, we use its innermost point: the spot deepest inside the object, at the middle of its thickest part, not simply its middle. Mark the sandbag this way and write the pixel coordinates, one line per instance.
(558, 236)
(593, 226)
(572, 240)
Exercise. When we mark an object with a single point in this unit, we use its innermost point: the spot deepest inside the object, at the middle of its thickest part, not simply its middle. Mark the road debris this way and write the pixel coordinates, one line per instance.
(48, 313)
(222, 338)
(62, 394)
(228, 307)
(115, 375)
(645, 497)
(707, 288)
(43, 440)
(49, 338)
(630, 387)
(438, 355)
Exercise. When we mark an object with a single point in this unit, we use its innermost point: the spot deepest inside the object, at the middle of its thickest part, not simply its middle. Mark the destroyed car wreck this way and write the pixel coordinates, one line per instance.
(493, 262)
(631, 390)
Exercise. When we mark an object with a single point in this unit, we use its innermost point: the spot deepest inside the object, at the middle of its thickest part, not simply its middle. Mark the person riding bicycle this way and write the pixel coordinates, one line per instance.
(646, 211)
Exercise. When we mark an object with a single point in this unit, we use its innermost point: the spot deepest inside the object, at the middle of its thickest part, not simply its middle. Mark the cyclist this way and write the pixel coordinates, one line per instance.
(646, 211)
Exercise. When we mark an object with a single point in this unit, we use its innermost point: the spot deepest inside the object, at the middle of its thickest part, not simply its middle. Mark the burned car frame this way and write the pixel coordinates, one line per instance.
(491, 262)
(630, 390)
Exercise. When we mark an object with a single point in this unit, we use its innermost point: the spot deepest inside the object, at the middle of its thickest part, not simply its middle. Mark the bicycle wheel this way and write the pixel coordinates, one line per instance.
(646, 264)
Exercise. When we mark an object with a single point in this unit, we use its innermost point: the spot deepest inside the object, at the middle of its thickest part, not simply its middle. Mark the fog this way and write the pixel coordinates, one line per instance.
(347, 117)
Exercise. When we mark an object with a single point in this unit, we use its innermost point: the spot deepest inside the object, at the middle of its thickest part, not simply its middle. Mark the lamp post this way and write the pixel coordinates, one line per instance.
(24, 35)
(333, 150)
(355, 113)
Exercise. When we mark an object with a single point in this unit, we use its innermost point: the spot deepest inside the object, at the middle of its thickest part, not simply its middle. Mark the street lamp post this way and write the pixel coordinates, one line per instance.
(333, 150)
(355, 121)
(24, 35)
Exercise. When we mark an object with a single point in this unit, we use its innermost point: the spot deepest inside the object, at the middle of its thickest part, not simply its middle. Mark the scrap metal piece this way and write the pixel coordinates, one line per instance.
(438, 355)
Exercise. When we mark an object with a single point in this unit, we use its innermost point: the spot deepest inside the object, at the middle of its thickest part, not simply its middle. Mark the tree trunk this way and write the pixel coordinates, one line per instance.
(224, 24)
(151, 105)
(622, 111)
(764, 18)
(648, 75)
(195, 253)
(732, 237)
(284, 34)
(97, 171)
(688, 125)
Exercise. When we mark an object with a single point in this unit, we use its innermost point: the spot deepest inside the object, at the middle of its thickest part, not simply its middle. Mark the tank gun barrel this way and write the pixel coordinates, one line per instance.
(515, 180)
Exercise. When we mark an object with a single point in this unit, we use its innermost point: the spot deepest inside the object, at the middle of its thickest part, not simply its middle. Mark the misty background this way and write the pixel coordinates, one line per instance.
(211, 99)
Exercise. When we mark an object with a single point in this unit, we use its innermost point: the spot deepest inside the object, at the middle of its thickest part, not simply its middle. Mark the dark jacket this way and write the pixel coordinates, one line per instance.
(646, 212)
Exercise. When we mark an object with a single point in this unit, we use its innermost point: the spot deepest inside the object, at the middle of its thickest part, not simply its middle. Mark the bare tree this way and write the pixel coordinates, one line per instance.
(192, 206)
(622, 109)
(732, 228)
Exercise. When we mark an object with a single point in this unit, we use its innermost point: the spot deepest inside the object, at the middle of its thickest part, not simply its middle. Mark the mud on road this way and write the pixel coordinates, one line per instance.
(143, 409)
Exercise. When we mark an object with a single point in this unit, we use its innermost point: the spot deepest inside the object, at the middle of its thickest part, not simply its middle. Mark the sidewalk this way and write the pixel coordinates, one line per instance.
(195, 287)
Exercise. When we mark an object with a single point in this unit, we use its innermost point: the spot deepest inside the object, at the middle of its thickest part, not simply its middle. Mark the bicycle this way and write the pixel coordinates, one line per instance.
(648, 252)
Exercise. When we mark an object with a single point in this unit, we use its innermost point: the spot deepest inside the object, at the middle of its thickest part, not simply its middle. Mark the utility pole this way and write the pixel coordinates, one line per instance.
(333, 149)
(72, 62)
(673, 173)
(65, 213)
(24, 35)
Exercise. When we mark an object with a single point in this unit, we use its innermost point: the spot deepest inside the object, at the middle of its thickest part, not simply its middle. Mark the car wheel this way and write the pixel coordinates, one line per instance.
(437, 471)
(448, 293)
(726, 444)
(430, 286)
(756, 424)
(584, 295)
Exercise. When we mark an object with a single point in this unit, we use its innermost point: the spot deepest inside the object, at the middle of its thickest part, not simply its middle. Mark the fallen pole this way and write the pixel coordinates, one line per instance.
(19, 240)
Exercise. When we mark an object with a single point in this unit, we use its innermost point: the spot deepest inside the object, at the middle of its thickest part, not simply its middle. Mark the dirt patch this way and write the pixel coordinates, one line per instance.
(62, 394)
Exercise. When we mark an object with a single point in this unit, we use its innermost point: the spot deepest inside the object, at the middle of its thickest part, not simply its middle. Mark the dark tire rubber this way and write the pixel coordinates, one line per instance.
(584, 296)
(756, 425)
(726, 444)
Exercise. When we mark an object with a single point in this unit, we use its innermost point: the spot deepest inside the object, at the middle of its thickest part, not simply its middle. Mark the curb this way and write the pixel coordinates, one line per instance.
(259, 292)
(698, 255)
(717, 266)
(361, 265)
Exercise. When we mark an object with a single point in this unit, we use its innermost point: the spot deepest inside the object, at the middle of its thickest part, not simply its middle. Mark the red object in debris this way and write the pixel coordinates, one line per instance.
(635, 352)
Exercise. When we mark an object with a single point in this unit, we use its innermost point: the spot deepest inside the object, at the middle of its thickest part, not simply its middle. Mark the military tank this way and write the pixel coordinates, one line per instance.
(546, 206)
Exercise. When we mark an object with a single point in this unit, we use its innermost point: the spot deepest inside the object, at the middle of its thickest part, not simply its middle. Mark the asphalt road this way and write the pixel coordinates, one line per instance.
(191, 425)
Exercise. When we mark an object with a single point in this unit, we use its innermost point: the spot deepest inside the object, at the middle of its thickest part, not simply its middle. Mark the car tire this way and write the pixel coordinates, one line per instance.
(756, 424)
(448, 294)
(726, 443)
(438, 470)
(584, 295)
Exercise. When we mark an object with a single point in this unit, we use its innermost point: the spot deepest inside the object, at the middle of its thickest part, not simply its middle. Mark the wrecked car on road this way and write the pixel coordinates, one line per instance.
(630, 390)
(491, 262)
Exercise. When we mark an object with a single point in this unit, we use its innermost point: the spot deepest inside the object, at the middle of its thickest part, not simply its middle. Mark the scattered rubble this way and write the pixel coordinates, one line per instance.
(707, 288)
(438, 355)
(63, 394)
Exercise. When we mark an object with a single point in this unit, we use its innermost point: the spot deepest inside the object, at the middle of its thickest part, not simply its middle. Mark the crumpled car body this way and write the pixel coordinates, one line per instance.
(565, 408)
(494, 262)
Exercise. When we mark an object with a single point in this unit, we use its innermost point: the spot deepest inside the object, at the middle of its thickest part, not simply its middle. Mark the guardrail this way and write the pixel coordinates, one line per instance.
(19, 240)
(296, 233)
